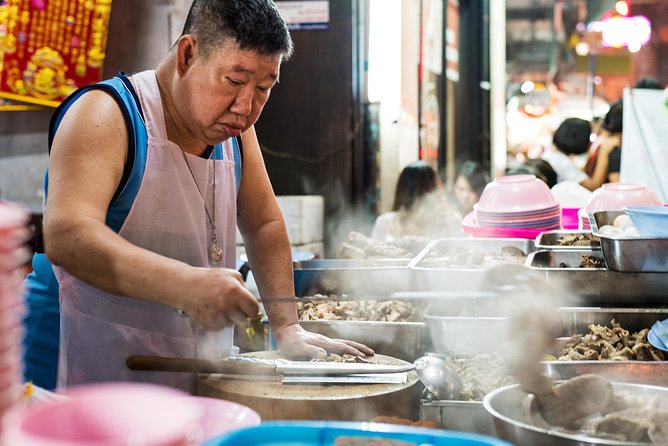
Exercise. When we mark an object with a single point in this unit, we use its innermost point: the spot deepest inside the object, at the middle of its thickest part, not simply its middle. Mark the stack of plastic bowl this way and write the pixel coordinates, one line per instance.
(514, 206)
(13, 234)
(614, 197)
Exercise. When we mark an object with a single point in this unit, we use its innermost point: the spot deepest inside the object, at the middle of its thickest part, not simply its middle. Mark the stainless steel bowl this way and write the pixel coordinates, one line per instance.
(505, 405)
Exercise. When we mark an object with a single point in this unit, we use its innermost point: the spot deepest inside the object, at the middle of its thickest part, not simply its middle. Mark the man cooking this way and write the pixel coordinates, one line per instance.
(148, 174)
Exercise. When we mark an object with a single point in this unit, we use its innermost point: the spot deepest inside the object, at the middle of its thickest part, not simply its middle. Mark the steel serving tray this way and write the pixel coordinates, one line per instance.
(576, 321)
(627, 253)
(598, 286)
(551, 239)
(466, 416)
(429, 276)
(353, 276)
(403, 340)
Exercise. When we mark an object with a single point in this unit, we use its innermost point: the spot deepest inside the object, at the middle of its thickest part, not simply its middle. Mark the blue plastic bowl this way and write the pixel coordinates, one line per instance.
(650, 221)
(325, 433)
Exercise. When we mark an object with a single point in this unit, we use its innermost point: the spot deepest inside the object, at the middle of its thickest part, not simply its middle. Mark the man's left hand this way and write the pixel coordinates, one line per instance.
(296, 343)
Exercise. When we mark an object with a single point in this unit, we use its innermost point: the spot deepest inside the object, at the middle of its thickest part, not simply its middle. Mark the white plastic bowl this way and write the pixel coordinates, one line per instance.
(650, 221)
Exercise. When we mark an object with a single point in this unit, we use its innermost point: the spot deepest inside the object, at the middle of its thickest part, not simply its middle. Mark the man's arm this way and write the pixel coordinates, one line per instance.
(268, 248)
(85, 168)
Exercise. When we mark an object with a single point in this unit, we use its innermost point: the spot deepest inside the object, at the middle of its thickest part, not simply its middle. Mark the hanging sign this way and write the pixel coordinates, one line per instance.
(49, 48)
(305, 15)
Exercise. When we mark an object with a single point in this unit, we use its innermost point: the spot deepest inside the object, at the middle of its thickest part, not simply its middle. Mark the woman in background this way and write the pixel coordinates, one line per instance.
(420, 207)
(471, 181)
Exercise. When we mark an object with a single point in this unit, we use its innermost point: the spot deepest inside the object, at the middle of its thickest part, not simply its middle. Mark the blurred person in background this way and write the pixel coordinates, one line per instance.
(420, 207)
(604, 158)
(649, 83)
(537, 167)
(470, 182)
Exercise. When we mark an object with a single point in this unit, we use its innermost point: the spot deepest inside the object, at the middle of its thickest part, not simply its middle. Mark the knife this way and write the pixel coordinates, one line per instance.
(236, 365)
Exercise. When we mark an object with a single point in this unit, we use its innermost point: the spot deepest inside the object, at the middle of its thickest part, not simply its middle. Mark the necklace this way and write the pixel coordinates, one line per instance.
(215, 252)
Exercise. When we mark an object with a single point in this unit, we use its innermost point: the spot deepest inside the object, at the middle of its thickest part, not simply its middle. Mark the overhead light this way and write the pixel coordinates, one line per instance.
(527, 87)
(622, 8)
(634, 47)
(582, 48)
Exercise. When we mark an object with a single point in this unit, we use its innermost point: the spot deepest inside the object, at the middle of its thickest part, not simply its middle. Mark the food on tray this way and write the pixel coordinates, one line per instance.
(621, 226)
(629, 418)
(605, 343)
(587, 261)
(479, 375)
(404, 421)
(578, 239)
(334, 357)
(330, 308)
(460, 257)
(359, 246)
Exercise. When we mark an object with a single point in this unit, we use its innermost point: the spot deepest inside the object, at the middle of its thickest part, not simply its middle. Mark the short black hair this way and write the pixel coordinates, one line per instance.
(649, 83)
(572, 137)
(254, 25)
(613, 118)
(544, 170)
(415, 180)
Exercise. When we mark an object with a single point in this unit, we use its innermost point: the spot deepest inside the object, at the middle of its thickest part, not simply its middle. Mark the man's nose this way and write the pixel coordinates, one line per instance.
(243, 103)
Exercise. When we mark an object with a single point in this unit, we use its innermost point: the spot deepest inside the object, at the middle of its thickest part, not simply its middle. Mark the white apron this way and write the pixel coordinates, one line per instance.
(100, 330)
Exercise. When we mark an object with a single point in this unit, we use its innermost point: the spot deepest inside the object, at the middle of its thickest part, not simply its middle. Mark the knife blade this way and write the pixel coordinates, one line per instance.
(238, 365)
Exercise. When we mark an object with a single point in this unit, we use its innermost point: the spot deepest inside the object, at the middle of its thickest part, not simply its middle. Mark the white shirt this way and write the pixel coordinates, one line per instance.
(564, 167)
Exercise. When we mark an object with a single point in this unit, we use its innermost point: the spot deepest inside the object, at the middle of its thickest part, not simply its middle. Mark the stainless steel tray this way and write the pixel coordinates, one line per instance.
(403, 340)
(376, 277)
(434, 278)
(577, 319)
(599, 286)
(466, 416)
(630, 254)
(551, 239)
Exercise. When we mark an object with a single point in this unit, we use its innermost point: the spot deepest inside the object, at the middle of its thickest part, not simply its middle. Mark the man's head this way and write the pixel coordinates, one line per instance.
(253, 25)
(225, 65)
(572, 137)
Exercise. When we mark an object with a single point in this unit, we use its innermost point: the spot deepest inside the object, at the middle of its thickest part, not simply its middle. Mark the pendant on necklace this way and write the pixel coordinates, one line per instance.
(215, 254)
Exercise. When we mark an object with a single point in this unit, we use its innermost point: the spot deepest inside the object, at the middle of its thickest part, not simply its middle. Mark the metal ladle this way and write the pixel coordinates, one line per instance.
(438, 377)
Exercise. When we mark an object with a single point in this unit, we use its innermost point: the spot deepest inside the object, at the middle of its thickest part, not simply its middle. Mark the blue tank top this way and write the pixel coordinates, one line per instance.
(123, 92)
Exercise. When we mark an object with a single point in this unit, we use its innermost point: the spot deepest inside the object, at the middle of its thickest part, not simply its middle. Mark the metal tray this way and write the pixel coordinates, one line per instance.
(577, 319)
(403, 340)
(465, 416)
(630, 254)
(550, 240)
(377, 277)
(599, 286)
(430, 278)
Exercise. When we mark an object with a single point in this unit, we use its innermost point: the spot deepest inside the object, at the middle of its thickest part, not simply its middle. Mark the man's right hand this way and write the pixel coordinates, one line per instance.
(219, 298)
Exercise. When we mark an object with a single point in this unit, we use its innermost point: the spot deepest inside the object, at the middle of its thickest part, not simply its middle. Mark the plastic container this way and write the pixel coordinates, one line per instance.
(304, 433)
(650, 221)
(221, 416)
(569, 218)
(516, 193)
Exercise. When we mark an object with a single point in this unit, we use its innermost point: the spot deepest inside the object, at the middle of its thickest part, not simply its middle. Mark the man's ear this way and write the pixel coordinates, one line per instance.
(186, 52)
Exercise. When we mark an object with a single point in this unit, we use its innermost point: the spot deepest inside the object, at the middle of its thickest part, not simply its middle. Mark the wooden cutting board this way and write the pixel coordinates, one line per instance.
(353, 402)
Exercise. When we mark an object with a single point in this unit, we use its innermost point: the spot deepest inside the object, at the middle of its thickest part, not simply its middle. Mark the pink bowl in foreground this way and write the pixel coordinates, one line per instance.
(221, 416)
(109, 414)
(614, 196)
(516, 193)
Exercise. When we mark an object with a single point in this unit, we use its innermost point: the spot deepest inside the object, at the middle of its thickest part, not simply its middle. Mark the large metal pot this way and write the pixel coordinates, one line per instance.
(505, 405)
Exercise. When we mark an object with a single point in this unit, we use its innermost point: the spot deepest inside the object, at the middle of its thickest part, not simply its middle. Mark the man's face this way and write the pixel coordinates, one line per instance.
(224, 94)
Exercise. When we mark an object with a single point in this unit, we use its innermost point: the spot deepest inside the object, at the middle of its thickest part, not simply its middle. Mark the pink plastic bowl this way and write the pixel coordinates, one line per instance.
(614, 196)
(107, 415)
(516, 193)
(220, 416)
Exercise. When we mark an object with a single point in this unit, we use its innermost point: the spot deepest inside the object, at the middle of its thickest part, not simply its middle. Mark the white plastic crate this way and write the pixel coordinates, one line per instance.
(304, 218)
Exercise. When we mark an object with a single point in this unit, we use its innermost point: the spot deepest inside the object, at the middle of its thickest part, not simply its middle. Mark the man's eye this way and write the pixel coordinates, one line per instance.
(234, 81)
